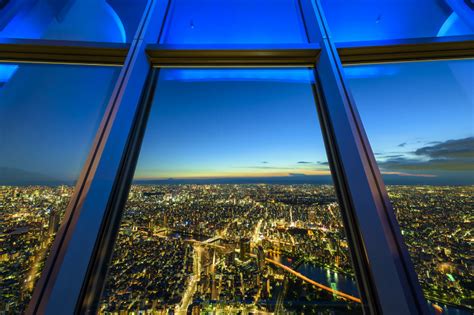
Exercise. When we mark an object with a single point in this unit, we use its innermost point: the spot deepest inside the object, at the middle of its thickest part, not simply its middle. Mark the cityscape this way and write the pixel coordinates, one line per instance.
(239, 248)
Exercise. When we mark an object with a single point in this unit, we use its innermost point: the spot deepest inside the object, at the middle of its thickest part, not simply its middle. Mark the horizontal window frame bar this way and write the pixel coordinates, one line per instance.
(404, 50)
(62, 52)
(165, 56)
(354, 53)
(293, 55)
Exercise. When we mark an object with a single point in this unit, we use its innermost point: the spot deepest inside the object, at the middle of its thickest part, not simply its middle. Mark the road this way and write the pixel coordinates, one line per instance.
(301, 276)
(306, 279)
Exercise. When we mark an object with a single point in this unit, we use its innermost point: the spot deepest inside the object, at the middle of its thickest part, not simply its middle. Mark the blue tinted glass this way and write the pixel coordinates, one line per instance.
(232, 209)
(49, 116)
(234, 21)
(359, 20)
(79, 20)
(419, 118)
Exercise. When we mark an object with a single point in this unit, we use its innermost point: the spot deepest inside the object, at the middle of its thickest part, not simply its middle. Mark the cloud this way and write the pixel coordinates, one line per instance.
(401, 145)
(299, 166)
(450, 155)
(409, 174)
(296, 174)
(451, 149)
(431, 165)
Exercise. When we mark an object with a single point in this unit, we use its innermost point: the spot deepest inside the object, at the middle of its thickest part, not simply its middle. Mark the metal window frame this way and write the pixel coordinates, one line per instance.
(71, 285)
(60, 286)
(62, 52)
(385, 274)
(405, 50)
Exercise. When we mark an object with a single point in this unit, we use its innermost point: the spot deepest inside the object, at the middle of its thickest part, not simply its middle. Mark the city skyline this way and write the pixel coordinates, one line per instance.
(168, 233)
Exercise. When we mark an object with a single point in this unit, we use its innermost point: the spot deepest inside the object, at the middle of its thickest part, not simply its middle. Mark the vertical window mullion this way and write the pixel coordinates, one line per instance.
(384, 270)
(69, 267)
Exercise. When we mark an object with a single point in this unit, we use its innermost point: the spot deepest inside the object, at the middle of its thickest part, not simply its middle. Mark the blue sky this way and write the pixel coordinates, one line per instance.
(242, 123)
(49, 115)
(237, 123)
(419, 117)
(256, 123)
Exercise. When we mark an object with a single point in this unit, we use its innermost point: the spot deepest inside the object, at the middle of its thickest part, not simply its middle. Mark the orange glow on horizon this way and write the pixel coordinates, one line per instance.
(211, 175)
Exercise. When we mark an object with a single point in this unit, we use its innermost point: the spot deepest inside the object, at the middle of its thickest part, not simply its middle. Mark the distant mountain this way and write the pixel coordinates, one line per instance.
(294, 179)
(305, 179)
(20, 177)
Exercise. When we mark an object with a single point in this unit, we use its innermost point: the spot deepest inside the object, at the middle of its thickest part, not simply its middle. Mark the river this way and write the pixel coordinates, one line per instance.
(347, 284)
(335, 280)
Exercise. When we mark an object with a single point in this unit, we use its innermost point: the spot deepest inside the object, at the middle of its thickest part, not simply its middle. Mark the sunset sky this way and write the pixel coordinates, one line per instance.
(251, 123)
(242, 123)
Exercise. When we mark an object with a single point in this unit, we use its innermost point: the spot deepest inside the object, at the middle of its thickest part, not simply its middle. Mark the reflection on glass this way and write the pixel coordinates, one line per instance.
(360, 20)
(419, 118)
(48, 119)
(107, 20)
(234, 22)
(232, 208)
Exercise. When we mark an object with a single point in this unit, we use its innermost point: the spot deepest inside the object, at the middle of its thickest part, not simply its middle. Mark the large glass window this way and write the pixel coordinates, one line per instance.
(79, 20)
(359, 20)
(234, 22)
(419, 118)
(232, 207)
(49, 115)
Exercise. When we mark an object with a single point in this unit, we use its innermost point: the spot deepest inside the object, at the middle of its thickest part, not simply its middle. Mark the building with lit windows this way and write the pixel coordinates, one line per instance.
(236, 157)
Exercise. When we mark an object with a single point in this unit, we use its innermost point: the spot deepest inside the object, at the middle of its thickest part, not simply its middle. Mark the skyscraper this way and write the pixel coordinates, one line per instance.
(244, 248)
(53, 223)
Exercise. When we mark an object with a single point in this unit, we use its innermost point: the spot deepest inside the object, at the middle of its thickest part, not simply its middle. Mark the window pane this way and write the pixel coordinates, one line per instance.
(234, 22)
(107, 20)
(232, 187)
(360, 20)
(49, 115)
(419, 118)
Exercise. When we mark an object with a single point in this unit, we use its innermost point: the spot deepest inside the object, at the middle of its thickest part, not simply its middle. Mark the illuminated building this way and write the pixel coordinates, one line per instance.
(244, 248)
